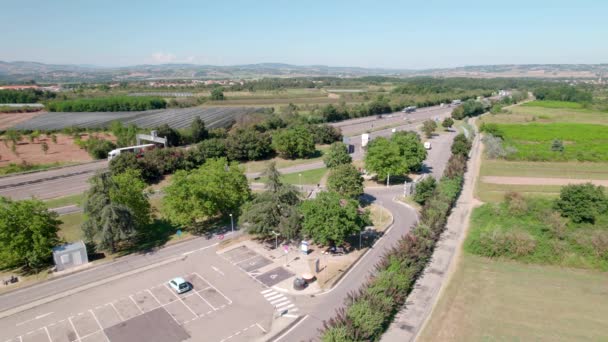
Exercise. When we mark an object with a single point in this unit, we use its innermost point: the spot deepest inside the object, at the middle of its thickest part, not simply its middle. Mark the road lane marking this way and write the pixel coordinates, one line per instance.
(259, 326)
(275, 302)
(274, 297)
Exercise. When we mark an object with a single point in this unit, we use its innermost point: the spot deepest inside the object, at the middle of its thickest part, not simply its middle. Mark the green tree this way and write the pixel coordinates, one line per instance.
(582, 202)
(198, 130)
(461, 145)
(337, 155)
(54, 138)
(424, 190)
(172, 135)
(215, 188)
(125, 161)
(384, 158)
(274, 209)
(125, 136)
(411, 149)
(294, 143)
(428, 127)
(115, 207)
(28, 232)
(212, 148)
(329, 218)
(248, 144)
(325, 134)
(346, 180)
(217, 94)
(128, 190)
(447, 123)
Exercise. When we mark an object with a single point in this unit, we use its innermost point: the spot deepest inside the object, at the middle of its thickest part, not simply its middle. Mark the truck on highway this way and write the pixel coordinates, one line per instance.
(409, 109)
(456, 102)
(138, 150)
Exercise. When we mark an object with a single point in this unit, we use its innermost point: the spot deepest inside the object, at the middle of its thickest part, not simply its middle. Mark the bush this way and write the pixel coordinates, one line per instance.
(516, 203)
(494, 147)
(97, 148)
(461, 145)
(212, 148)
(599, 242)
(492, 129)
(582, 202)
(337, 155)
(512, 243)
(174, 138)
(293, 143)
(325, 134)
(557, 146)
(248, 144)
(424, 190)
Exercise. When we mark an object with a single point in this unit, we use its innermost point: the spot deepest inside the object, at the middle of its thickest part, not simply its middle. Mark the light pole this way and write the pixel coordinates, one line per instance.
(276, 237)
(232, 223)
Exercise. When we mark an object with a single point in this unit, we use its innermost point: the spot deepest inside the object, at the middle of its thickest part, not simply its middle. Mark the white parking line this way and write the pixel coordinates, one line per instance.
(48, 334)
(118, 313)
(178, 298)
(100, 327)
(156, 299)
(214, 309)
(74, 327)
(218, 291)
(134, 302)
(259, 326)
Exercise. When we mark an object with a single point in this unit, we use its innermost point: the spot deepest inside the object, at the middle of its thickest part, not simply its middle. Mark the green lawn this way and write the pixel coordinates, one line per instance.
(65, 201)
(309, 177)
(582, 142)
(70, 228)
(575, 170)
(554, 104)
(260, 165)
(491, 300)
(548, 112)
(493, 193)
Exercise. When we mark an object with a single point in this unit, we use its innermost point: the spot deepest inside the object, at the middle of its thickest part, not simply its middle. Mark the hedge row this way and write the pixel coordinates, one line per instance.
(369, 311)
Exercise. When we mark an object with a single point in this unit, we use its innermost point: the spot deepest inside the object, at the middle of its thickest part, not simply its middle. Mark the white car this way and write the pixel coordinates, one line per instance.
(180, 285)
(427, 145)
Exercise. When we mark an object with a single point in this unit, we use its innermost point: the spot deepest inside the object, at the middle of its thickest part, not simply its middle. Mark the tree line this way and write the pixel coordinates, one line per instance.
(25, 96)
(107, 104)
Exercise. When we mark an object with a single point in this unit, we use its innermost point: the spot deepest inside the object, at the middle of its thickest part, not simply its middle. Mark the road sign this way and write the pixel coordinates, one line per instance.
(221, 236)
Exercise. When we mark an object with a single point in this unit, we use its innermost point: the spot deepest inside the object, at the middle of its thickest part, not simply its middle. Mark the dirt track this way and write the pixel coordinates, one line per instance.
(540, 181)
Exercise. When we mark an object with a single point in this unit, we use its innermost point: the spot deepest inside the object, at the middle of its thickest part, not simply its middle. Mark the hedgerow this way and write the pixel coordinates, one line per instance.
(370, 310)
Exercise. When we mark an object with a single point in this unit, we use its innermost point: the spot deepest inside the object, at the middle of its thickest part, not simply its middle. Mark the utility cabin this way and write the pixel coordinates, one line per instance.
(70, 255)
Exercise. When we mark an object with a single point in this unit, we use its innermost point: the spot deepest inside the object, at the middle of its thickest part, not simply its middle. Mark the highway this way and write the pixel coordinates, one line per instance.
(73, 179)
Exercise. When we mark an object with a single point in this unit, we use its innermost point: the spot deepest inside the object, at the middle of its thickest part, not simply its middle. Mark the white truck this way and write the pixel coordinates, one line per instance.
(138, 150)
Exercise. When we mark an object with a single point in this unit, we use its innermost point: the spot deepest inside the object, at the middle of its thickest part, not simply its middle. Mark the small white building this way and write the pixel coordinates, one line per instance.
(70, 255)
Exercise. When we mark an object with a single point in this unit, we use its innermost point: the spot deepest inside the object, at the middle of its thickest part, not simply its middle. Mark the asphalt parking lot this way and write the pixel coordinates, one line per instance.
(224, 304)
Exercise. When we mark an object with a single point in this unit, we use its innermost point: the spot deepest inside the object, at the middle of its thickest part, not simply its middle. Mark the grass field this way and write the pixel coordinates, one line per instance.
(64, 201)
(493, 193)
(70, 228)
(573, 247)
(548, 112)
(309, 177)
(490, 300)
(582, 142)
(260, 165)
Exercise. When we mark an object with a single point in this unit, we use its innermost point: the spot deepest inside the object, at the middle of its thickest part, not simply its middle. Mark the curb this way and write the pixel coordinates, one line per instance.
(281, 332)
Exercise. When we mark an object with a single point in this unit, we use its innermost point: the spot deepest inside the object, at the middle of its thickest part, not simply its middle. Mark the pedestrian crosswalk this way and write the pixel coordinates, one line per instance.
(279, 301)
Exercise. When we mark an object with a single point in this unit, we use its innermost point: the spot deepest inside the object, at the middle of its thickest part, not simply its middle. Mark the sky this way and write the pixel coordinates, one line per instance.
(384, 34)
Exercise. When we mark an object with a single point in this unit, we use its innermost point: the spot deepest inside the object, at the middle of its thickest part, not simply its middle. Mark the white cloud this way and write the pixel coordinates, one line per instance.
(161, 57)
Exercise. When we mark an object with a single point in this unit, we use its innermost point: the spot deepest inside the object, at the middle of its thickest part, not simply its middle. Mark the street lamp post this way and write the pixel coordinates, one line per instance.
(232, 223)
(276, 238)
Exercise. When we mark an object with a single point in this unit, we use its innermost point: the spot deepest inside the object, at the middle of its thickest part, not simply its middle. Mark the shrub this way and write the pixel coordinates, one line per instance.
(337, 155)
(97, 148)
(325, 134)
(512, 243)
(424, 190)
(494, 147)
(582, 202)
(293, 143)
(556, 225)
(428, 127)
(516, 203)
(599, 242)
(557, 146)
(492, 129)
(461, 145)
(248, 144)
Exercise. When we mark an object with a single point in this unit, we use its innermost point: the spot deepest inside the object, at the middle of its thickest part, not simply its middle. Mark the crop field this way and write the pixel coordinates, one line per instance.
(549, 112)
(582, 142)
(177, 118)
(493, 300)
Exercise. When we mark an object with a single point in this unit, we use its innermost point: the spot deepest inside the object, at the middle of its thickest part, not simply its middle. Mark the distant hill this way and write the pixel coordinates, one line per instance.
(22, 71)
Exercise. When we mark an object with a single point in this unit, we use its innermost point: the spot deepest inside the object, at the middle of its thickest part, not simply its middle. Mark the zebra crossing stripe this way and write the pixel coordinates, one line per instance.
(270, 294)
(266, 291)
(270, 299)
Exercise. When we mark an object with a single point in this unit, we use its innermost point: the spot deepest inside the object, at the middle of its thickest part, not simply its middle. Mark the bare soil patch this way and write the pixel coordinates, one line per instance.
(64, 151)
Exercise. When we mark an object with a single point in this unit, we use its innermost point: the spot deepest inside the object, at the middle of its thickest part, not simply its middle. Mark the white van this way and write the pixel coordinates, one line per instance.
(427, 145)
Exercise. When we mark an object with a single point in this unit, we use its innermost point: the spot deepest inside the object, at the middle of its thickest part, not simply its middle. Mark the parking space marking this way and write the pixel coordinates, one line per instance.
(134, 302)
(218, 291)
(100, 327)
(118, 313)
(181, 300)
(116, 317)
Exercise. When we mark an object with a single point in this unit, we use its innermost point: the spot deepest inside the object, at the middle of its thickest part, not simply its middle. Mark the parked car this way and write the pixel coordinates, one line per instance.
(180, 285)
(427, 145)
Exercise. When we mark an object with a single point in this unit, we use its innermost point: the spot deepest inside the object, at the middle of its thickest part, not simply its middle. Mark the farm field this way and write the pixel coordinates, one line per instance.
(65, 151)
(177, 118)
(491, 300)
